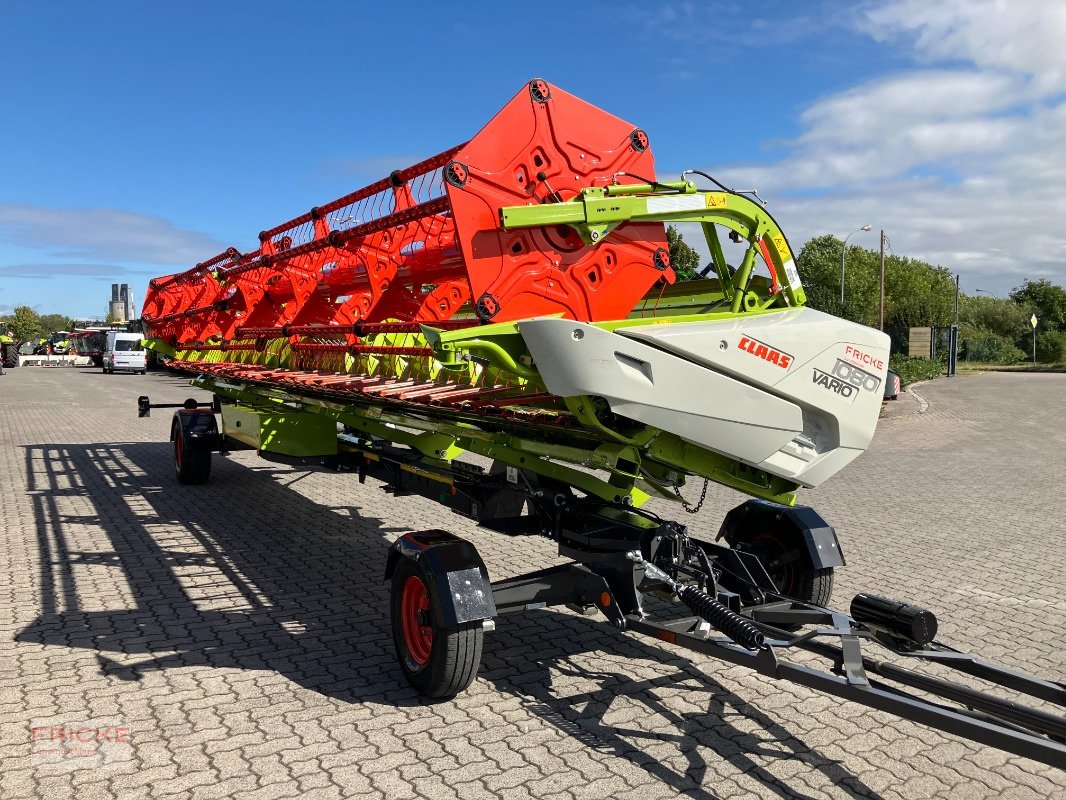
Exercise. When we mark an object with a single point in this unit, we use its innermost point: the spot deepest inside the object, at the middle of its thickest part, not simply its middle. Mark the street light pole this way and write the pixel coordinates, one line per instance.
(953, 335)
(1032, 321)
(843, 254)
(957, 278)
(881, 304)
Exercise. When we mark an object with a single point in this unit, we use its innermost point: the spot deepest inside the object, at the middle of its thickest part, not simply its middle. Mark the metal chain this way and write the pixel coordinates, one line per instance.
(703, 496)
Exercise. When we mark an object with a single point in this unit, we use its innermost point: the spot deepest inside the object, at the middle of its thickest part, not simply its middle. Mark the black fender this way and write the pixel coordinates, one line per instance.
(814, 539)
(198, 429)
(461, 580)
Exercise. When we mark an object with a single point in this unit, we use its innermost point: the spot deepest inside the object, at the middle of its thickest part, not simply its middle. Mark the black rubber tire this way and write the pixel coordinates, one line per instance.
(10, 356)
(796, 579)
(455, 653)
(192, 467)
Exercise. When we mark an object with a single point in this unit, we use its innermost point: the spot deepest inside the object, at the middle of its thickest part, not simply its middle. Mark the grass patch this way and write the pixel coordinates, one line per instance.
(977, 366)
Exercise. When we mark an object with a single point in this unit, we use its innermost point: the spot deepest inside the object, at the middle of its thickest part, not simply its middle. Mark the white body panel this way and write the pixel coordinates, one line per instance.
(125, 351)
(795, 392)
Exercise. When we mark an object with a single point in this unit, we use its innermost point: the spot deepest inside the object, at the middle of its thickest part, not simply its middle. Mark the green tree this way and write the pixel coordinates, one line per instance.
(25, 323)
(990, 329)
(818, 264)
(1046, 299)
(56, 322)
(990, 315)
(1051, 347)
(917, 294)
(684, 260)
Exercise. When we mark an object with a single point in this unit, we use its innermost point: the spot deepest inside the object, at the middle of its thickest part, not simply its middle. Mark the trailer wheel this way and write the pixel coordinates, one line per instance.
(438, 661)
(794, 578)
(192, 467)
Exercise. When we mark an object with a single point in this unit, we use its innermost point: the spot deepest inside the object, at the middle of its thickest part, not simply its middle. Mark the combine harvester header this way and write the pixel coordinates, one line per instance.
(553, 211)
(513, 298)
(370, 255)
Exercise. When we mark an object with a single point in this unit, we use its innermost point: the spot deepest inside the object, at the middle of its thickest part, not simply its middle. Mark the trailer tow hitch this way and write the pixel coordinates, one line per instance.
(754, 639)
(706, 607)
(145, 405)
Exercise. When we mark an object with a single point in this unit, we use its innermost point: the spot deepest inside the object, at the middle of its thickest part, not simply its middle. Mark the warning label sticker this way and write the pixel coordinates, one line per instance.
(781, 246)
(675, 202)
(793, 275)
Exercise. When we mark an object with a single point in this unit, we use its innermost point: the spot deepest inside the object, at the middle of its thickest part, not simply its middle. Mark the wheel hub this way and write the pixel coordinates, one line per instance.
(415, 621)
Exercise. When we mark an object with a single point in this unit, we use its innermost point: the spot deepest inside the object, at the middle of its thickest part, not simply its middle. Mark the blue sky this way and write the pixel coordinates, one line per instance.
(139, 138)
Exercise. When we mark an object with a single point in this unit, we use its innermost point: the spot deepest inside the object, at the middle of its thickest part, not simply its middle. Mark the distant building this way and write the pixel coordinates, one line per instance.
(120, 309)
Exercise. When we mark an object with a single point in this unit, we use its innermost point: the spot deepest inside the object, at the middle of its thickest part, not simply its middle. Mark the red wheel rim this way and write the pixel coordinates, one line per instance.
(414, 613)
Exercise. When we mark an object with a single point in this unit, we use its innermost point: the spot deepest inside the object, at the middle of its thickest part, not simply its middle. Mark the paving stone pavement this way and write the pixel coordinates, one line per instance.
(236, 633)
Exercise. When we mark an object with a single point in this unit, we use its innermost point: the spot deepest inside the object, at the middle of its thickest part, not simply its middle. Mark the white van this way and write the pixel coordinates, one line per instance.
(124, 351)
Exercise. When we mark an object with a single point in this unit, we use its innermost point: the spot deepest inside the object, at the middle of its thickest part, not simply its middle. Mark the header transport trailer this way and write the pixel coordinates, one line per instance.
(513, 298)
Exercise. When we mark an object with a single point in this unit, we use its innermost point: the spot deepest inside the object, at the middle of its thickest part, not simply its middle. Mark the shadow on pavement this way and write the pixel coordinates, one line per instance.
(246, 573)
(532, 673)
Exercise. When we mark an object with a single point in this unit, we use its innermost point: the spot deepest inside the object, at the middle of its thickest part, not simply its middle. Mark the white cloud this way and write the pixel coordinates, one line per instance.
(372, 168)
(730, 27)
(104, 234)
(45, 271)
(886, 127)
(961, 159)
(1021, 36)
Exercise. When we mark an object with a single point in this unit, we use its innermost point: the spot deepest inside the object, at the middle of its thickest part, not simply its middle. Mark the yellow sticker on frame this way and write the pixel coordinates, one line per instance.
(781, 246)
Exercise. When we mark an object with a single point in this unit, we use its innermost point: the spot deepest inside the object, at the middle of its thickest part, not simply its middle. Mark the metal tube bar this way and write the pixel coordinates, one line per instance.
(384, 350)
(1003, 737)
(1010, 678)
(224, 347)
(340, 238)
(740, 285)
(203, 266)
(358, 329)
(416, 327)
(1031, 718)
(372, 189)
(318, 330)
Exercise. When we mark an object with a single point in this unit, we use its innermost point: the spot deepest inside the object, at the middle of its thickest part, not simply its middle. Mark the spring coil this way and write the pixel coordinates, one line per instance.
(728, 622)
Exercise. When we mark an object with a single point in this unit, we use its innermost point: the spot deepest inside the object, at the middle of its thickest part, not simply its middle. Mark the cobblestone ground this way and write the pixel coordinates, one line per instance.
(232, 639)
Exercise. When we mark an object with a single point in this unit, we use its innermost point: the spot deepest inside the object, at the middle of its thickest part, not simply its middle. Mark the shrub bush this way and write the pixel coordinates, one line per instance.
(912, 370)
(991, 349)
(1051, 347)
